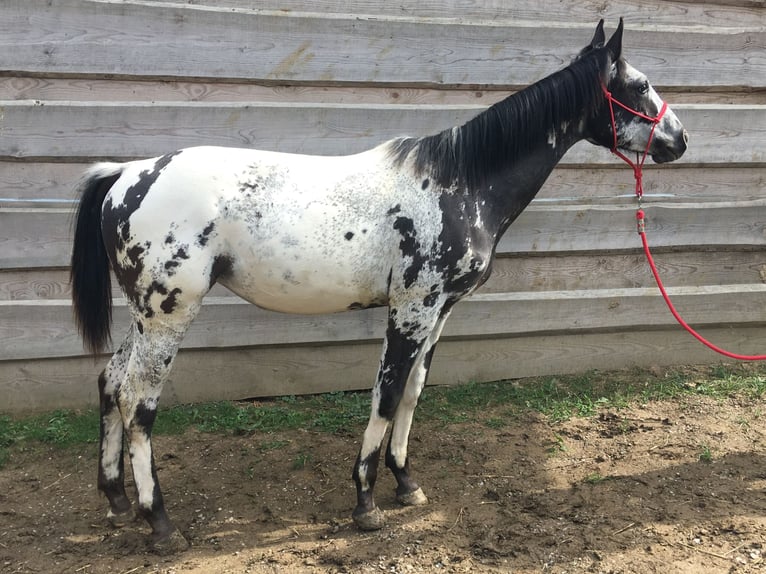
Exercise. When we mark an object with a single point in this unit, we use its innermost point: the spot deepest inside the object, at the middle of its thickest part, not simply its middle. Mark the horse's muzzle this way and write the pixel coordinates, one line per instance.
(671, 150)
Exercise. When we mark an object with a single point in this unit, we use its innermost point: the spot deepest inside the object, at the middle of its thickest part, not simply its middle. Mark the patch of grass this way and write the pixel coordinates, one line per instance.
(273, 445)
(300, 461)
(556, 446)
(595, 478)
(557, 398)
(60, 427)
(705, 455)
(495, 423)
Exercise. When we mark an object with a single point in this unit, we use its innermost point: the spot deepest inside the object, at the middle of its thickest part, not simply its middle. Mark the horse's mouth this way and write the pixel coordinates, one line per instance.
(672, 151)
(667, 155)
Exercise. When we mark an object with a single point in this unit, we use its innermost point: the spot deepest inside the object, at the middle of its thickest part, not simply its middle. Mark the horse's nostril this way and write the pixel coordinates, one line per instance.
(686, 136)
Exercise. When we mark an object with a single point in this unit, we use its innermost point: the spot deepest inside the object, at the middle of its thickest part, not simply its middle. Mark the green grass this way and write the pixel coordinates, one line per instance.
(705, 455)
(558, 398)
(595, 478)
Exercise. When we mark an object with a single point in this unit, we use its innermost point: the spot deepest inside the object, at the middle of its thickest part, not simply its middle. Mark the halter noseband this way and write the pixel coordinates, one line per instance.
(639, 163)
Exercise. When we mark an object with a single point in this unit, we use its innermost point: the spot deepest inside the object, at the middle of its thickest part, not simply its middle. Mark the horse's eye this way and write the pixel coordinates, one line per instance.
(643, 89)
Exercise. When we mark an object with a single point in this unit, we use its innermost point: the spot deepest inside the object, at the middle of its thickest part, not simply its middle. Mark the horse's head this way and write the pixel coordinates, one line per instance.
(632, 111)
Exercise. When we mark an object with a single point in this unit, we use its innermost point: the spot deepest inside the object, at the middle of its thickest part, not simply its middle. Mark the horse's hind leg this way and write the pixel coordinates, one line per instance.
(111, 467)
(154, 349)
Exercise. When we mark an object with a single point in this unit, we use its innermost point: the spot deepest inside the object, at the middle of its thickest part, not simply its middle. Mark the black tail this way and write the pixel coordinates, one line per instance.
(91, 282)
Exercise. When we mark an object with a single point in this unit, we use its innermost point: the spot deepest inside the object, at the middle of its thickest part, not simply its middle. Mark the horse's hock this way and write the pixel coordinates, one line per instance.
(570, 290)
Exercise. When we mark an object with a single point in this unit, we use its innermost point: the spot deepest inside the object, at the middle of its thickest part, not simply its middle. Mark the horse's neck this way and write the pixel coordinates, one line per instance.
(514, 186)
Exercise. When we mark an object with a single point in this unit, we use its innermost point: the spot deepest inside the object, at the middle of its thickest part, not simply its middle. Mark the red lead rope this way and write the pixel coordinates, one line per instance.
(641, 222)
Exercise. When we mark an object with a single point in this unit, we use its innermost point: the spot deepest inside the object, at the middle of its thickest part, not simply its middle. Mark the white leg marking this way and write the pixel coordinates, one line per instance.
(112, 446)
(141, 456)
(403, 421)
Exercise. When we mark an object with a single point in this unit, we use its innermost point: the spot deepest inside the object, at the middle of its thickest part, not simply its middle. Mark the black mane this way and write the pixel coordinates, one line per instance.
(464, 156)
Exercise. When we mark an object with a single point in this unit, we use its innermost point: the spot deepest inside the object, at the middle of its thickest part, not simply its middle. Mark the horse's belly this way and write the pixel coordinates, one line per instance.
(292, 295)
(305, 281)
(303, 299)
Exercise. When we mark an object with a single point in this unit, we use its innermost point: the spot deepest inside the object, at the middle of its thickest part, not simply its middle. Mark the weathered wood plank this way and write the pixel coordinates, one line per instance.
(220, 374)
(44, 184)
(39, 329)
(41, 237)
(670, 13)
(586, 228)
(510, 273)
(624, 270)
(83, 37)
(719, 134)
(95, 89)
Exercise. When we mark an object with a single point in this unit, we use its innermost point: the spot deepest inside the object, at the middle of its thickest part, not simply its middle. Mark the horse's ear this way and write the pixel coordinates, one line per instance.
(614, 46)
(598, 38)
(597, 41)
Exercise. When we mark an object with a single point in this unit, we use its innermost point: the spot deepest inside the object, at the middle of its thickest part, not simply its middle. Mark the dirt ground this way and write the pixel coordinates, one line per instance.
(668, 487)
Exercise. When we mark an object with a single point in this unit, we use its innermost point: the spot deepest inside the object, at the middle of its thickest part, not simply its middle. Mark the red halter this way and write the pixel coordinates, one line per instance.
(639, 163)
(637, 173)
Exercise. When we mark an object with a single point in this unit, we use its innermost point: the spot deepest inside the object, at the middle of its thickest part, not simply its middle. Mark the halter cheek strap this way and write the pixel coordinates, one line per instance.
(654, 120)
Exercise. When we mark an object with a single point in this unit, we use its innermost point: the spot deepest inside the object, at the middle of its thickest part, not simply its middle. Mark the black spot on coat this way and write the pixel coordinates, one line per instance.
(203, 237)
(223, 266)
(145, 418)
(116, 218)
(170, 302)
(400, 349)
(410, 247)
(170, 266)
(181, 253)
(431, 299)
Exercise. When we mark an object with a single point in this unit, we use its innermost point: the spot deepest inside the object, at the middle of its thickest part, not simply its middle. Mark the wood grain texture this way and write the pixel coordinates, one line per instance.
(719, 134)
(653, 13)
(82, 37)
(95, 89)
(221, 374)
(39, 329)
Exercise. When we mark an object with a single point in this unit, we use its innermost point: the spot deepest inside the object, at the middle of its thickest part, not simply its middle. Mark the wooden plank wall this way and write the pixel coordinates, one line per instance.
(85, 80)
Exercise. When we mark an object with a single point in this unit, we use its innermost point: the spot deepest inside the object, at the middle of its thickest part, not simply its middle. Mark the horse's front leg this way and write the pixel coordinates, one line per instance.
(402, 373)
(408, 492)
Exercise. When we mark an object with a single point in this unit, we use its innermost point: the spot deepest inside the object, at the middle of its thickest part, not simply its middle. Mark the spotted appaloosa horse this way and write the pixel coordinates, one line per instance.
(411, 224)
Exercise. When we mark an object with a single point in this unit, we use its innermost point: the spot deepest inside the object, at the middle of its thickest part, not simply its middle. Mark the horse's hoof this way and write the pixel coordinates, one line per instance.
(371, 520)
(120, 519)
(173, 543)
(414, 498)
